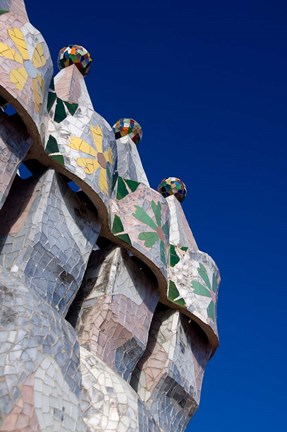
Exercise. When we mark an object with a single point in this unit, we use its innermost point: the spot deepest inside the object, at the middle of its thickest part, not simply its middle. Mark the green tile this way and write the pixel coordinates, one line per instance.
(211, 310)
(51, 99)
(133, 185)
(203, 274)
(117, 225)
(173, 257)
(72, 107)
(156, 208)
(165, 229)
(52, 145)
(200, 289)
(59, 159)
(60, 112)
(162, 252)
(149, 238)
(143, 217)
(125, 238)
(173, 293)
(121, 190)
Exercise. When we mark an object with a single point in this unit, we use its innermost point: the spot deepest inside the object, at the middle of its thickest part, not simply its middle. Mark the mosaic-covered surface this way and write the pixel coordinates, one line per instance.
(77, 55)
(128, 126)
(180, 233)
(26, 66)
(129, 164)
(113, 268)
(54, 235)
(109, 403)
(14, 145)
(193, 283)
(117, 309)
(39, 362)
(69, 86)
(169, 376)
(140, 218)
(172, 186)
(193, 275)
(78, 138)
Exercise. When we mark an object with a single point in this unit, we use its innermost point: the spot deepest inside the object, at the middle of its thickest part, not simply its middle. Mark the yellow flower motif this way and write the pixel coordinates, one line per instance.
(98, 158)
(29, 66)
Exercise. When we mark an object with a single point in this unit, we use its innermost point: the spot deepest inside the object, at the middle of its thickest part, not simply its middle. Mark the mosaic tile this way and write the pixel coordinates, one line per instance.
(14, 145)
(180, 233)
(144, 215)
(23, 416)
(49, 245)
(56, 407)
(117, 309)
(78, 138)
(60, 257)
(185, 261)
(168, 377)
(26, 66)
(129, 164)
(172, 186)
(69, 86)
(109, 403)
(32, 330)
(62, 108)
(128, 127)
(75, 55)
(16, 7)
(193, 283)
(128, 133)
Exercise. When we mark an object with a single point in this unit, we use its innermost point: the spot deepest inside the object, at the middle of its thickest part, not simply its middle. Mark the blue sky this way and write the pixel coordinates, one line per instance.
(208, 83)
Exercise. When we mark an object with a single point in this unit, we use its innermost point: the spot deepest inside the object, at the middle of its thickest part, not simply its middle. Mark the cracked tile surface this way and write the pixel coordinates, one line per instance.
(46, 237)
(168, 377)
(31, 330)
(14, 145)
(117, 310)
(60, 257)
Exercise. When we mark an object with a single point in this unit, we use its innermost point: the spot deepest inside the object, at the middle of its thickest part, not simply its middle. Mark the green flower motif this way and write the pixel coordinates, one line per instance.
(160, 231)
(206, 289)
